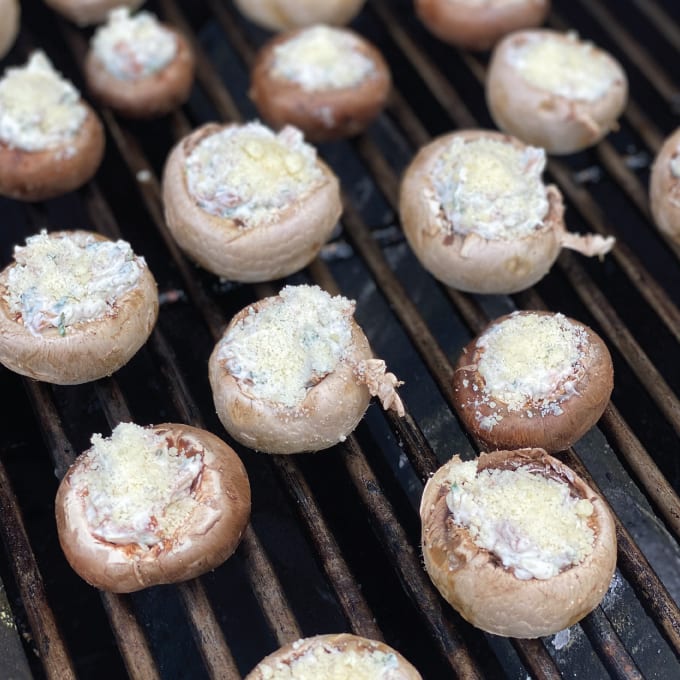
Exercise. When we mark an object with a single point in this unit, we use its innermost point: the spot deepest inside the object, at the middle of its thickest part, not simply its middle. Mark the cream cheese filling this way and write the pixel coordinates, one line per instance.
(136, 488)
(61, 281)
(132, 47)
(490, 188)
(532, 523)
(280, 352)
(530, 362)
(568, 68)
(249, 173)
(323, 661)
(322, 58)
(39, 109)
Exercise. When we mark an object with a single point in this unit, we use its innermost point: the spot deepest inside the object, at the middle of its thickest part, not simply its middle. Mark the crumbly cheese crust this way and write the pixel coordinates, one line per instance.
(38, 108)
(136, 487)
(281, 351)
(249, 173)
(132, 47)
(529, 363)
(569, 68)
(322, 58)
(326, 661)
(532, 523)
(60, 281)
(490, 188)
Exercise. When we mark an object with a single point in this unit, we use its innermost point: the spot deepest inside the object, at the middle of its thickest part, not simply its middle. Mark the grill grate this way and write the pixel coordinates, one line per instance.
(333, 542)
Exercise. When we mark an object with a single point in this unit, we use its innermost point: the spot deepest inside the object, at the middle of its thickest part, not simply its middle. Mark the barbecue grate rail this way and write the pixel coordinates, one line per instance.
(333, 542)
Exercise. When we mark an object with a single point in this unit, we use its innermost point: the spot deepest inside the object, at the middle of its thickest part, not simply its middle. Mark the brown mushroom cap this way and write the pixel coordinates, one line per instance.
(39, 175)
(664, 189)
(515, 429)
(329, 412)
(207, 539)
(489, 596)
(10, 11)
(262, 252)
(400, 668)
(149, 96)
(90, 349)
(473, 263)
(559, 124)
(282, 15)
(322, 115)
(87, 12)
(479, 26)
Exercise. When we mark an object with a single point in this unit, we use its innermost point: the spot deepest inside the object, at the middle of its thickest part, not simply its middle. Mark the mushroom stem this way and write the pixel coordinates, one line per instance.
(589, 245)
(380, 384)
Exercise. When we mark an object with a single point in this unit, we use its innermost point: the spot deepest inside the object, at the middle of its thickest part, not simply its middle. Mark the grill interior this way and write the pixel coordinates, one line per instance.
(333, 543)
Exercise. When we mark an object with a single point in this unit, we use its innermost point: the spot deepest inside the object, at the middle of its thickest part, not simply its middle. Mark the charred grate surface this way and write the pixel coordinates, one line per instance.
(333, 543)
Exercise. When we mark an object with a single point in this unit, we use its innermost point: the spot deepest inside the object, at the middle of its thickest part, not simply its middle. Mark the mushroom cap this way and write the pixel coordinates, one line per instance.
(261, 252)
(515, 430)
(88, 12)
(207, 539)
(149, 96)
(479, 26)
(664, 188)
(323, 115)
(561, 125)
(470, 262)
(489, 596)
(89, 350)
(329, 412)
(39, 175)
(400, 668)
(282, 15)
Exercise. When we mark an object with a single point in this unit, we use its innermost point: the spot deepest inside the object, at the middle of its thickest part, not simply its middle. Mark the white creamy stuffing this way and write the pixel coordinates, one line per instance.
(39, 109)
(249, 173)
(280, 352)
(532, 523)
(60, 281)
(136, 487)
(322, 58)
(490, 188)
(326, 661)
(530, 363)
(133, 47)
(568, 68)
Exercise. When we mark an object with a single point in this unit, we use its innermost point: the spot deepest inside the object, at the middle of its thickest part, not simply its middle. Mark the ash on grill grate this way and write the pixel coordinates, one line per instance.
(333, 543)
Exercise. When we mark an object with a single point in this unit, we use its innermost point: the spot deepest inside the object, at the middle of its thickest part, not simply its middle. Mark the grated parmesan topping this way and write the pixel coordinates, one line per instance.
(136, 488)
(38, 108)
(326, 661)
(675, 164)
(133, 47)
(568, 68)
(322, 58)
(248, 173)
(490, 188)
(281, 351)
(532, 523)
(60, 281)
(531, 361)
